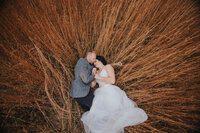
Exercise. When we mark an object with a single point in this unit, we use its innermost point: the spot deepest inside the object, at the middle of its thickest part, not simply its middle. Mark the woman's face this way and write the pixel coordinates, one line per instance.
(98, 63)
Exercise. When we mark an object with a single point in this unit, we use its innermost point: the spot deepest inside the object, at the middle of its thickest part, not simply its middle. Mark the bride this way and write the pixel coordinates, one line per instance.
(111, 109)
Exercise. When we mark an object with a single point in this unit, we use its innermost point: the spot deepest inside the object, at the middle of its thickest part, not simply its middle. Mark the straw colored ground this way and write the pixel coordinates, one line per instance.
(158, 41)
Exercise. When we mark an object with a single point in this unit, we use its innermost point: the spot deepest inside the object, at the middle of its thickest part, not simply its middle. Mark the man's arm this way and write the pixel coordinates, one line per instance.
(85, 73)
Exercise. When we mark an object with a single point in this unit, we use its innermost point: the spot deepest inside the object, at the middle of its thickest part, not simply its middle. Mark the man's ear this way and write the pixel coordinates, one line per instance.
(83, 77)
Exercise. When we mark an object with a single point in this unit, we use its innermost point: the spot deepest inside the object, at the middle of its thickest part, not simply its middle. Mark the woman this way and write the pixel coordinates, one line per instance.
(111, 109)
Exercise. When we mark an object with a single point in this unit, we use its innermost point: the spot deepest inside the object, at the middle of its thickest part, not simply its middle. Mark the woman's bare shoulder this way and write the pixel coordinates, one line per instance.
(109, 67)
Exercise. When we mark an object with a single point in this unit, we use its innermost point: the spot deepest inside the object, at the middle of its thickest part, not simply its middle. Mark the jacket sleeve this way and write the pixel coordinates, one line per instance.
(84, 69)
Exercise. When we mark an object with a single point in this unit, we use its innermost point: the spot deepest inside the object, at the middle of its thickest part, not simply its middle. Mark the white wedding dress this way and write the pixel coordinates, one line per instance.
(111, 110)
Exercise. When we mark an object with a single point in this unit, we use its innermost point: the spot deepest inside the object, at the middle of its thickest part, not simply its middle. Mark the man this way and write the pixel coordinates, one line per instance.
(84, 75)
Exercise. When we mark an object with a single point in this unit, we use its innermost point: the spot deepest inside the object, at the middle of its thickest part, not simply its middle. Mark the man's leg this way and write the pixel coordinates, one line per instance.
(85, 102)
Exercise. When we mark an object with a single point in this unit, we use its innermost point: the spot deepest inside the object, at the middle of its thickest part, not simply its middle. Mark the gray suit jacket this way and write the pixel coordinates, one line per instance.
(78, 87)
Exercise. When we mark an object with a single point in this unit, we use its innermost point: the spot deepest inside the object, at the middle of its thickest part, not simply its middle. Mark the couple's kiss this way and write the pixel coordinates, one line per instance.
(109, 109)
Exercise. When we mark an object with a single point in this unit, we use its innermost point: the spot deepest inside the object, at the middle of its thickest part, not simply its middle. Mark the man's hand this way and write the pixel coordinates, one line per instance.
(92, 84)
(94, 71)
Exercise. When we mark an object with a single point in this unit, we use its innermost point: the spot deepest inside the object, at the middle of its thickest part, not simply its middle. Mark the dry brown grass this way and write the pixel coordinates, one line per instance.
(157, 41)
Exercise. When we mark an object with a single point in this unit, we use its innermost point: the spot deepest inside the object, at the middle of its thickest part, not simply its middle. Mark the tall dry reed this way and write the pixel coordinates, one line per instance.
(157, 41)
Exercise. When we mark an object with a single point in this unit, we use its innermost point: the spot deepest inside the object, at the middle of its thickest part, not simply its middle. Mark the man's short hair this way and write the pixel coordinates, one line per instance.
(89, 53)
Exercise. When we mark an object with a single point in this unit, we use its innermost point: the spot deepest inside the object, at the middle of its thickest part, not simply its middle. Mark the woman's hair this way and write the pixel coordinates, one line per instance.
(102, 59)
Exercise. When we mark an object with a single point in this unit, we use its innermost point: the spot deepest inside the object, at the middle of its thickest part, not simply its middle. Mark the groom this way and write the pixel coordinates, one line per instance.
(84, 75)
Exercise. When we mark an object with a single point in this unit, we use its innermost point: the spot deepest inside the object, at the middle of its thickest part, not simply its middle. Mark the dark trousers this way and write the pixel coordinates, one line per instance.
(85, 102)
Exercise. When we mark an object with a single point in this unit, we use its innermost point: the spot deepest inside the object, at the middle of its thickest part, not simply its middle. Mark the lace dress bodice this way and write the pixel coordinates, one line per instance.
(103, 73)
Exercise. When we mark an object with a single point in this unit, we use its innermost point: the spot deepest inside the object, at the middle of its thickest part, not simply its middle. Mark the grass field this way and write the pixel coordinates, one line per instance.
(158, 41)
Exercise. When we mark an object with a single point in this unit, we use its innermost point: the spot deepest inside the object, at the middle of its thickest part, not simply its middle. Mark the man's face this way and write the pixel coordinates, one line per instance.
(92, 58)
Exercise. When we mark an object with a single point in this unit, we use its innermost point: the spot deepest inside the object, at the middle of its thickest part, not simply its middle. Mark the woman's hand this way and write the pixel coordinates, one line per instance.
(94, 71)
(119, 64)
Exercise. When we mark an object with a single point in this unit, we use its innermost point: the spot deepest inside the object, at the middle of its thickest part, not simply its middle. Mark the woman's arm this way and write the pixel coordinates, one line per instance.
(116, 64)
(111, 75)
